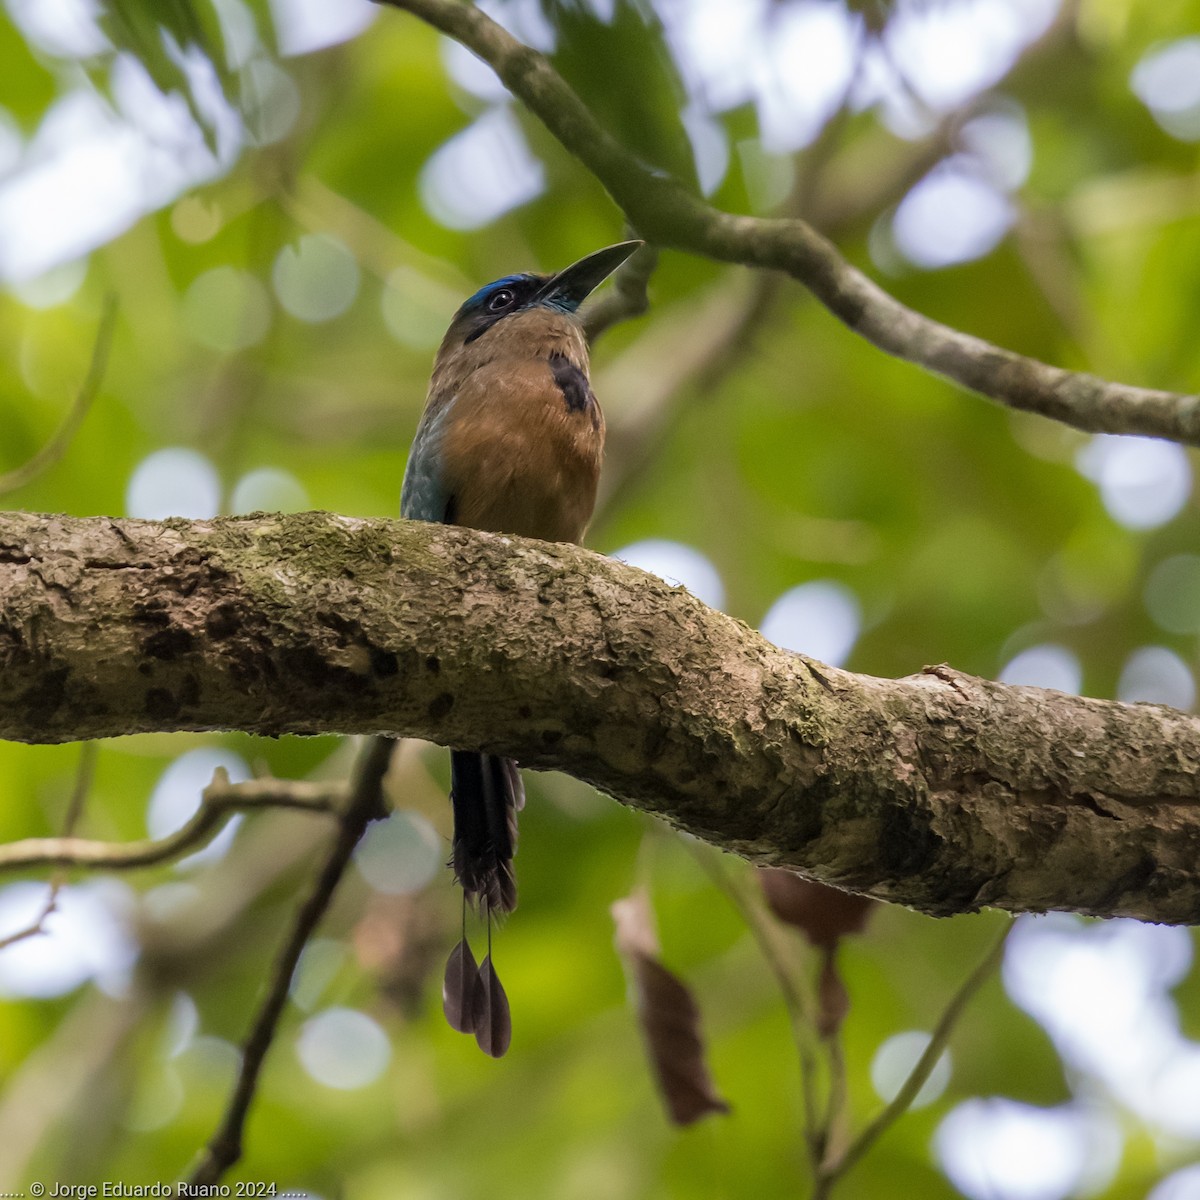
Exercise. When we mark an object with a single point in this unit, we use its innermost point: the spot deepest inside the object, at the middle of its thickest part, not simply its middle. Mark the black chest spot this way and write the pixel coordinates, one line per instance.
(573, 384)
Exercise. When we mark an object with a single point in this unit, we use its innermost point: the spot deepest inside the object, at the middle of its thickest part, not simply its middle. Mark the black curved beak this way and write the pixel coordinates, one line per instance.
(572, 285)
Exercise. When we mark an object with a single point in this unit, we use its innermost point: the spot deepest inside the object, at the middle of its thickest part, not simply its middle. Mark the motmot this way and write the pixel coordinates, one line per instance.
(511, 441)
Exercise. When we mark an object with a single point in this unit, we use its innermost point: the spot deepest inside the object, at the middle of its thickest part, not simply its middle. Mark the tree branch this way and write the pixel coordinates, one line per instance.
(365, 804)
(663, 211)
(218, 802)
(768, 934)
(831, 1171)
(939, 791)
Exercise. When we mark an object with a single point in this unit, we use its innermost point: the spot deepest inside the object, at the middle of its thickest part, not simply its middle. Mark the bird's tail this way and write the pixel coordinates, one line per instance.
(486, 794)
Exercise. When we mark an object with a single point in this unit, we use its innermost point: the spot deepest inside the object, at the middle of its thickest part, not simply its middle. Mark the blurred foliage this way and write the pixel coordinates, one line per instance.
(642, 109)
(794, 452)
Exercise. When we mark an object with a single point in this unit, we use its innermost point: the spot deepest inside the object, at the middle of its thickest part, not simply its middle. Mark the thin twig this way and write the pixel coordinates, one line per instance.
(56, 447)
(365, 805)
(220, 799)
(36, 927)
(832, 1171)
(1041, 238)
(84, 772)
(833, 1126)
(798, 1005)
(845, 206)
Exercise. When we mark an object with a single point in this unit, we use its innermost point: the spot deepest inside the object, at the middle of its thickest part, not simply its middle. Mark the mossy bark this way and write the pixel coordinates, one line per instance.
(940, 791)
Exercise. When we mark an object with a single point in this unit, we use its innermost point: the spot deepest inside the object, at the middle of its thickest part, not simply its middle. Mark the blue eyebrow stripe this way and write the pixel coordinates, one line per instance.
(484, 292)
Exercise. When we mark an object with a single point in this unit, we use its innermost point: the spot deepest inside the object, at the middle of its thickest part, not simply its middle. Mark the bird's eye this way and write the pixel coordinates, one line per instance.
(501, 300)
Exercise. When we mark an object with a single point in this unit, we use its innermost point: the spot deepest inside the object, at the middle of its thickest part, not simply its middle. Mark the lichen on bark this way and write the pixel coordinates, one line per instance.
(940, 791)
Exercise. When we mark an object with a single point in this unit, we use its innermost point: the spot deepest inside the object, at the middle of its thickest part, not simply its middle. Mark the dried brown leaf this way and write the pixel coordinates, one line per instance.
(634, 923)
(669, 1016)
(670, 1021)
(822, 913)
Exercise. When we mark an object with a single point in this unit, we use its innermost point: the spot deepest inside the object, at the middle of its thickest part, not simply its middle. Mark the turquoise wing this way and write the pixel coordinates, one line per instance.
(424, 496)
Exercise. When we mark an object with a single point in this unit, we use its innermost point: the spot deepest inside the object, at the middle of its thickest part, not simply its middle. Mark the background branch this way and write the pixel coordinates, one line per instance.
(835, 1168)
(219, 801)
(365, 805)
(664, 212)
(800, 1006)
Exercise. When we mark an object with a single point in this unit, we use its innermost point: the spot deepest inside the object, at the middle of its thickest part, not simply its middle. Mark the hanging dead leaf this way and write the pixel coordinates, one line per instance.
(669, 1017)
(832, 997)
(634, 923)
(671, 1024)
(822, 913)
(493, 1022)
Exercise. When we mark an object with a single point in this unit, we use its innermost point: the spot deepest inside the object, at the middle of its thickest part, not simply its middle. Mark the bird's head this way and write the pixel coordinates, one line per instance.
(562, 292)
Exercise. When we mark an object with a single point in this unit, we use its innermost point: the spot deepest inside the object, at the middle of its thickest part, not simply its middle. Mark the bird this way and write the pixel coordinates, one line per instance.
(511, 441)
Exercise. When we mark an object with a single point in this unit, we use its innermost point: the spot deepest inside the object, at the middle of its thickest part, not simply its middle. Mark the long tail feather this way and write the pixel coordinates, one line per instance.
(486, 794)
(458, 988)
